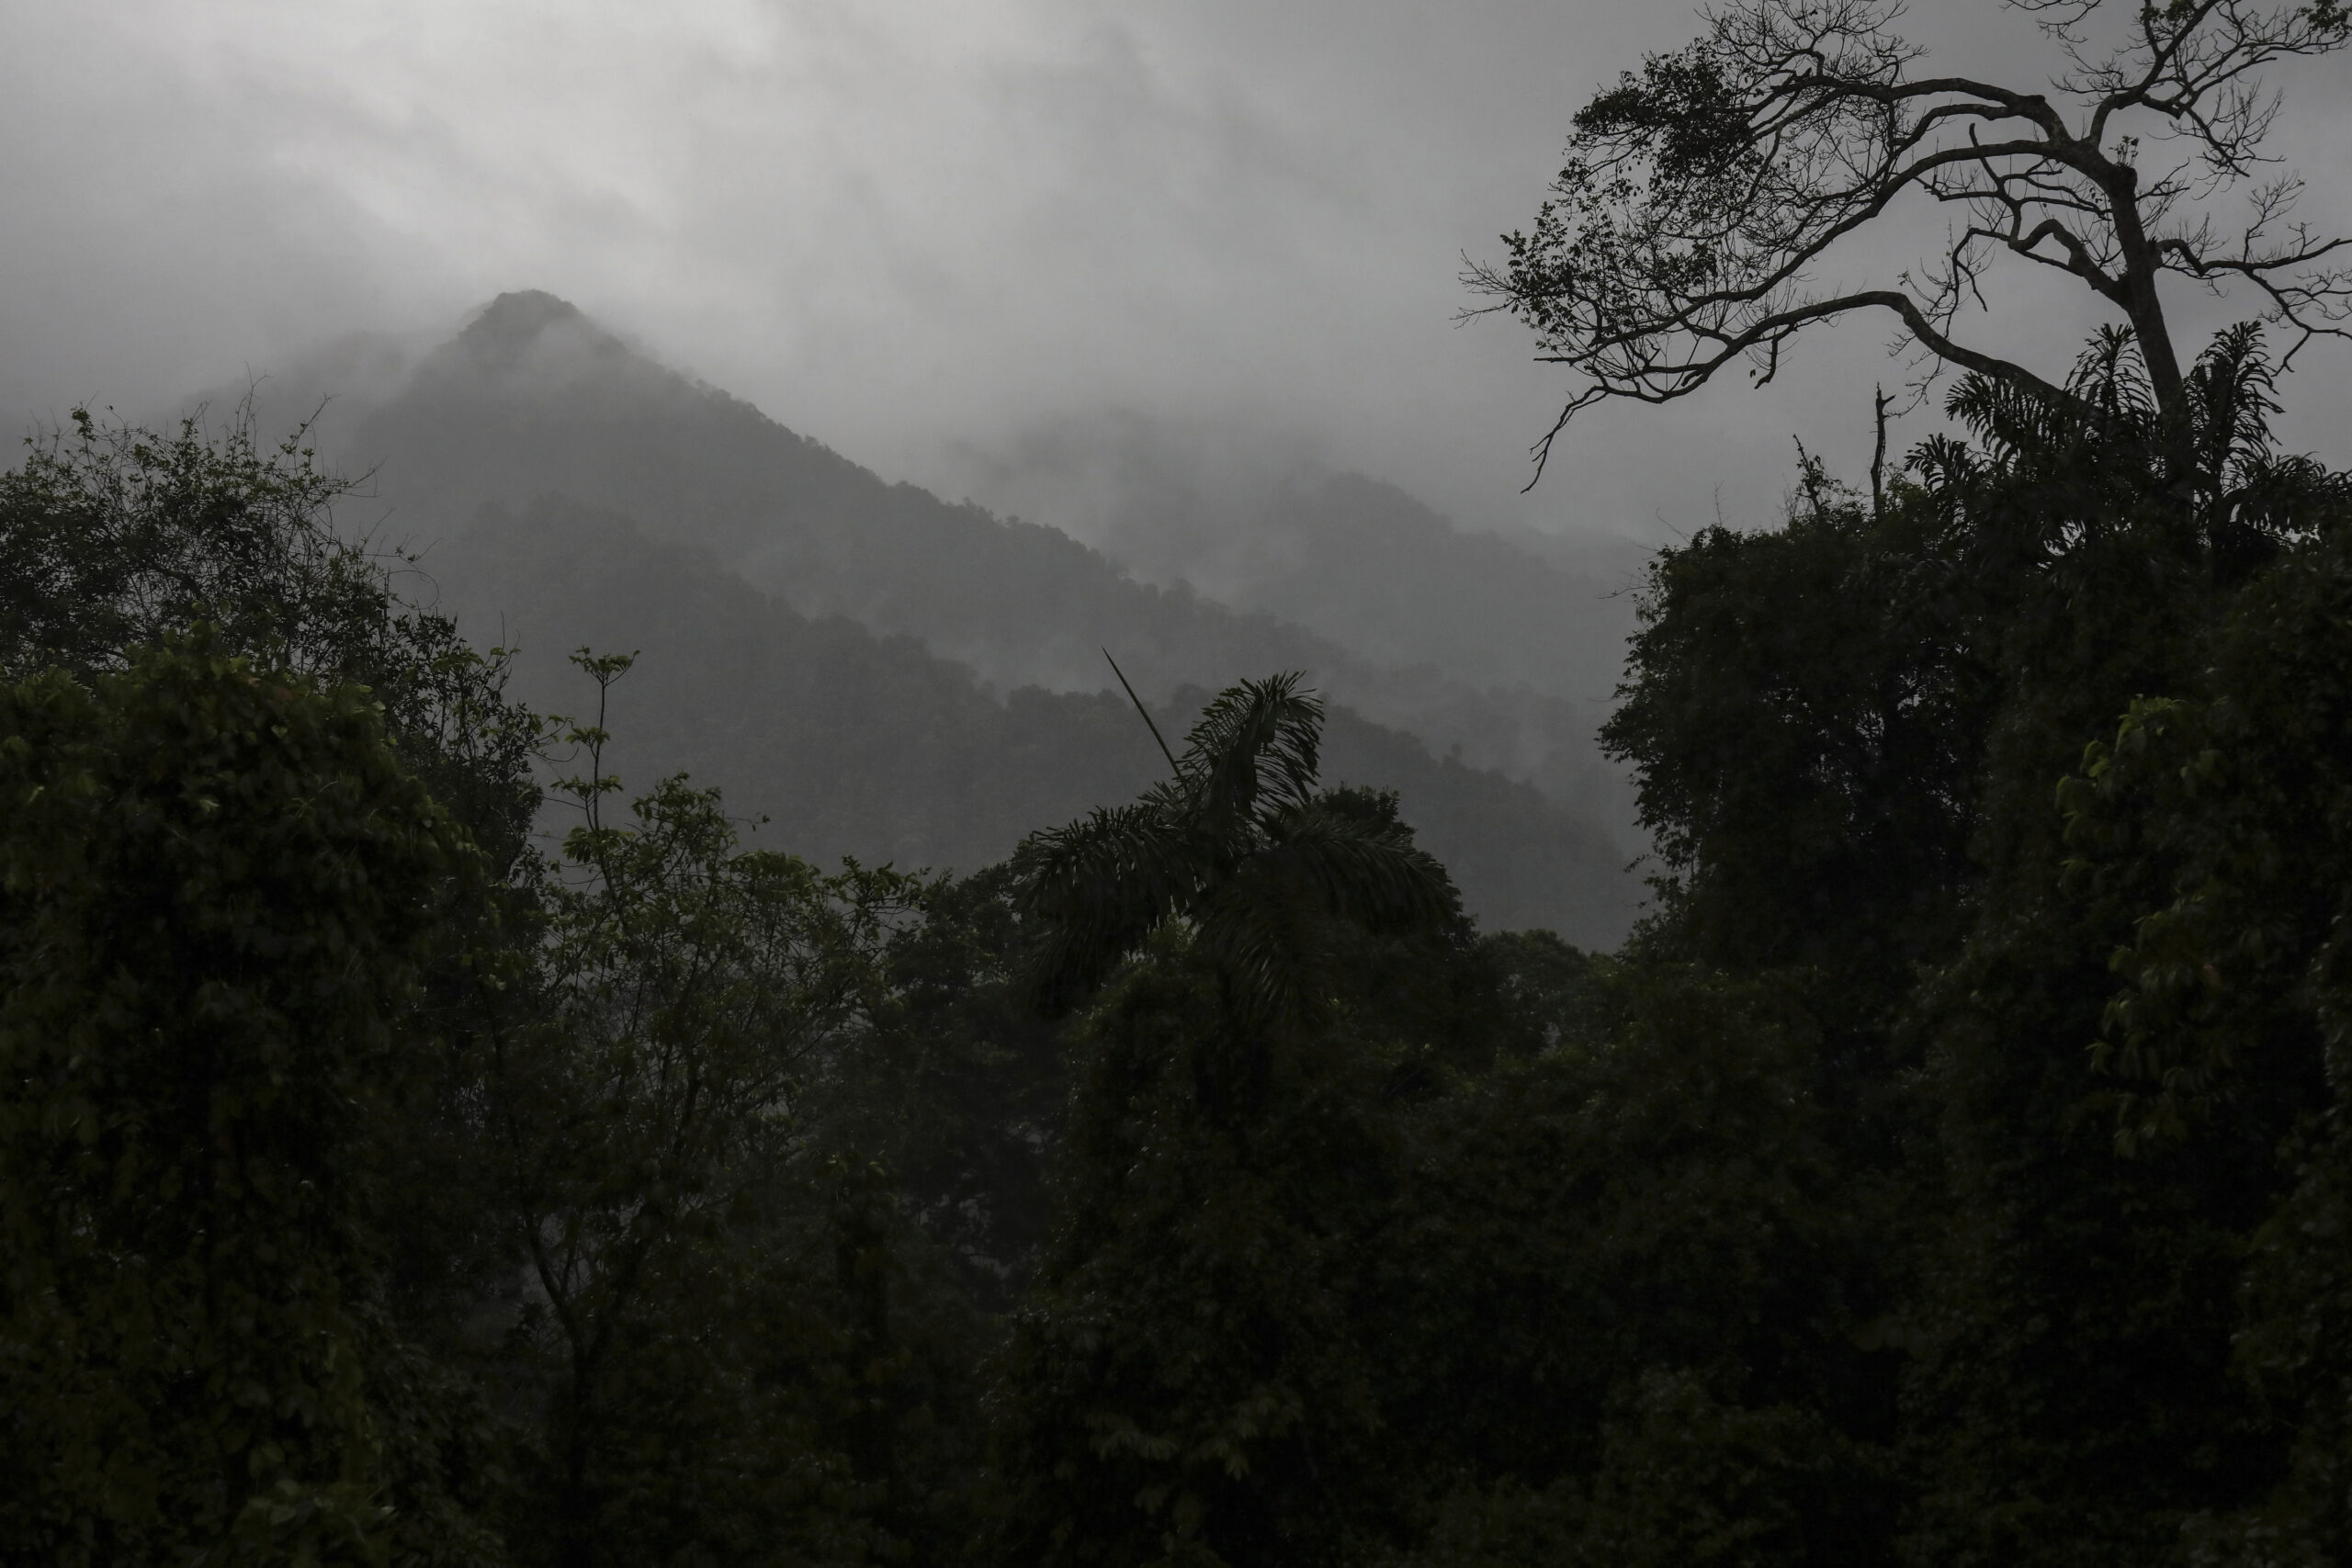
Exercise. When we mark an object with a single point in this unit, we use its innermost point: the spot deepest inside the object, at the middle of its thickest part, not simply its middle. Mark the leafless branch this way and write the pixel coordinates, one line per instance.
(1699, 196)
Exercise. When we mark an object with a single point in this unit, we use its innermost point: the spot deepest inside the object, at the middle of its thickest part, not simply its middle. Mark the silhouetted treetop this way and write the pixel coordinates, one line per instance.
(1701, 195)
(1240, 844)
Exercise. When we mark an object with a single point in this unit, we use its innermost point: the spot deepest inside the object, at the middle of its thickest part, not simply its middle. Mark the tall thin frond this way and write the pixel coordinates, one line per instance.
(2231, 400)
(1244, 847)
(1257, 739)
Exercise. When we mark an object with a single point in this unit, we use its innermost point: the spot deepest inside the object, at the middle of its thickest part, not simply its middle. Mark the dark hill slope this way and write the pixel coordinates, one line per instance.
(1355, 560)
(532, 398)
(872, 745)
(1368, 566)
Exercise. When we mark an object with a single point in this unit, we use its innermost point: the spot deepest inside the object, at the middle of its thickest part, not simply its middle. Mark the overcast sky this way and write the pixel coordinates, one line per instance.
(908, 226)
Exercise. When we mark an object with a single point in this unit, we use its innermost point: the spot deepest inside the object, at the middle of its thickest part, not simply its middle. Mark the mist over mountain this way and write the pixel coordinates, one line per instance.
(535, 398)
(896, 677)
(1263, 524)
(855, 743)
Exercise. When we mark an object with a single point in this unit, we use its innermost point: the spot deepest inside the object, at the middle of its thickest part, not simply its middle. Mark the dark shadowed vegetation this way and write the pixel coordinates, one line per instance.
(420, 1143)
(1951, 1167)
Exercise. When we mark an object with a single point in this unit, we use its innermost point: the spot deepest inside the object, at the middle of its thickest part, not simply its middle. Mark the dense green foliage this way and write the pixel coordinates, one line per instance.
(114, 536)
(1954, 1169)
(217, 888)
(2004, 976)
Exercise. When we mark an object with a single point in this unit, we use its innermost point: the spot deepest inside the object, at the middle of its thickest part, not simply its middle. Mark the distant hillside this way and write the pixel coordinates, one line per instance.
(1259, 526)
(892, 676)
(1366, 565)
(865, 744)
(532, 398)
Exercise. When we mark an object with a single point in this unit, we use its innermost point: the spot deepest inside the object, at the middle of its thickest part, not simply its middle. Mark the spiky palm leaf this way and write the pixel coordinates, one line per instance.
(1258, 739)
(2105, 464)
(1241, 845)
(1098, 887)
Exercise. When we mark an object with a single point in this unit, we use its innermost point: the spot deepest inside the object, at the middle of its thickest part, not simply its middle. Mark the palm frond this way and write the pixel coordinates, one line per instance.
(1258, 739)
(2011, 422)
(1243, 846)
(1362, 868)
(2110, 376)
(1096, 888)
(2229, 393)
(1265, 937)
(1945, 465)
(1342, 857)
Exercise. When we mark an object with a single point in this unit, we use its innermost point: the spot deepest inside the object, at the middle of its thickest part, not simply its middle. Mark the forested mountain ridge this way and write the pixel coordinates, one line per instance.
(884, 675)
(871, 745)
(1354, 558)
(534, 398)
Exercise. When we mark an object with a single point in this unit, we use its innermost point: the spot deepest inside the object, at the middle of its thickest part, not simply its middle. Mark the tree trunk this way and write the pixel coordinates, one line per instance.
(2145, 309)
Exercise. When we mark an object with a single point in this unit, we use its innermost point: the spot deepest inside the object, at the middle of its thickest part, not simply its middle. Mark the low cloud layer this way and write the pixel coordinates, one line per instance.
(913, 230)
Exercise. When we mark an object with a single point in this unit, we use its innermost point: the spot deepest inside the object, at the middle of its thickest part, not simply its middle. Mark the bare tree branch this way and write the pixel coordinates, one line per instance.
(1699, 196)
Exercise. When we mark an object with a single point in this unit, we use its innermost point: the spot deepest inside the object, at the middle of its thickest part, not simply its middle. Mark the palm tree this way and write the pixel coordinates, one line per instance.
(1241, 847)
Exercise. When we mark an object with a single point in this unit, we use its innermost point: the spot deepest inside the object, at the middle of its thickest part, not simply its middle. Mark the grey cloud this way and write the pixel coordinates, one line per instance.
(912, 230)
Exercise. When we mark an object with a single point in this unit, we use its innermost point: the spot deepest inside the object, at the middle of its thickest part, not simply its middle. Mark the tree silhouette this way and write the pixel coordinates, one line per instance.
(1699, 196)
(1241, 847)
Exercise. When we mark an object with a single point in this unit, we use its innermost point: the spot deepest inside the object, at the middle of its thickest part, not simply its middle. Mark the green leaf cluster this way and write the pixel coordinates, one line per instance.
(218, 886)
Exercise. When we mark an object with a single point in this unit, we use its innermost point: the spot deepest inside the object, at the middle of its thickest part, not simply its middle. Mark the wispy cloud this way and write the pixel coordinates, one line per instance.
(901, 225)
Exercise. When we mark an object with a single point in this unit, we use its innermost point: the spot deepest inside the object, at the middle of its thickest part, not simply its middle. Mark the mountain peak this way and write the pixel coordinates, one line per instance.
(512, 319)
(532, 337)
